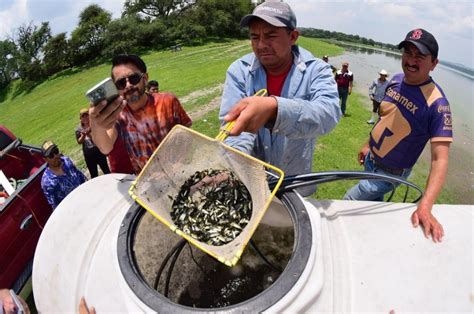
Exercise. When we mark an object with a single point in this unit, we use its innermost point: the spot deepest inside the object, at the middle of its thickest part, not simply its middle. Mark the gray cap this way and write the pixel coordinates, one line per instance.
(276, 13)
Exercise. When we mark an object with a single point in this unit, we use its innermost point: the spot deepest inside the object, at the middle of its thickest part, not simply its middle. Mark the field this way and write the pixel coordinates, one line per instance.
(195, 75)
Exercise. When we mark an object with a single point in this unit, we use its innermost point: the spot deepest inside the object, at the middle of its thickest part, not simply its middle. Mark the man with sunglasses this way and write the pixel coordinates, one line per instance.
(61, 176)
(414, 110)
(143, 119)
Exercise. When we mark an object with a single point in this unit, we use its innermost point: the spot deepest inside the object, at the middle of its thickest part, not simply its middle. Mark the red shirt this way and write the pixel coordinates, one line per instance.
(118, 157)
(344, 78)
(275, 82)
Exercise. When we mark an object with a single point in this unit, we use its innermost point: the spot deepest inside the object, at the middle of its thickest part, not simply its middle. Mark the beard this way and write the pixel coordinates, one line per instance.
(134, 94)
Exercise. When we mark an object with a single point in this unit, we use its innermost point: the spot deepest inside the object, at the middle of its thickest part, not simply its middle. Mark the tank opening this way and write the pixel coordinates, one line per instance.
(189, 277)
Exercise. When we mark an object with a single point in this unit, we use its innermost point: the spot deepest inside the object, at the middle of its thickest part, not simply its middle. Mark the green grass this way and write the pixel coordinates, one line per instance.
(51, 109)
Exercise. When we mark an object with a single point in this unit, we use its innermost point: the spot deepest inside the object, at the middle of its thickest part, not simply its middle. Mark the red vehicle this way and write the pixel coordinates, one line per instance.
(23, 208)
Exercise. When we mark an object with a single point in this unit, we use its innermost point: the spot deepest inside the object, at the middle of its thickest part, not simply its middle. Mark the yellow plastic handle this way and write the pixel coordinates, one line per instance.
(225, 130)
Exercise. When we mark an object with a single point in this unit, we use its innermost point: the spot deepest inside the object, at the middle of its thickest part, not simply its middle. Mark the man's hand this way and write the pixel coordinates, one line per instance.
(439, 169)
(430, 225)
(83, 309)
(104, 115)
(8, 303)
(252, 113)
(362, 153)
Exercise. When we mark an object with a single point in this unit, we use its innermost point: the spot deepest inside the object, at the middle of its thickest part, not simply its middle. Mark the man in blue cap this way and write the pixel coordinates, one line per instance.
(303, 103)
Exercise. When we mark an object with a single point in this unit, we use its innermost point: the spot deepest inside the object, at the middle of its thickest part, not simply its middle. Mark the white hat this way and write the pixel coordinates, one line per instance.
(383, 72)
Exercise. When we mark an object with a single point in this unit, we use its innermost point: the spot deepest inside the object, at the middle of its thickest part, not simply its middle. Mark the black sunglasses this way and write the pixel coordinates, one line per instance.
(134, 79)
(53, 152)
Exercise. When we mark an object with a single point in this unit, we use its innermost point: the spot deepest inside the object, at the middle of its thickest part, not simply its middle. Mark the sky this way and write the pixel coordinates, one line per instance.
(450, 21)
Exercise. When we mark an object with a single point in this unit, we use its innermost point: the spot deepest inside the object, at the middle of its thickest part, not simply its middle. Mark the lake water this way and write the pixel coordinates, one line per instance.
(459, 89)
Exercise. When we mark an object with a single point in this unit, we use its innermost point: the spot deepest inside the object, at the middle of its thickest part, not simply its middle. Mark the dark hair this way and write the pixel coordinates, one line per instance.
(126, 59)
(152, 83)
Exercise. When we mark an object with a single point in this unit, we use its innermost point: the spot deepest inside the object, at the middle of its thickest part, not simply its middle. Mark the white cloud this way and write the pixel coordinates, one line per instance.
(451, 21)
(393, 11)
(62, 15)
(9, 18)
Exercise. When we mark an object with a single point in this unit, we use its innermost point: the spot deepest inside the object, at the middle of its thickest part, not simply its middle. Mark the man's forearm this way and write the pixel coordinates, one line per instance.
(104, 139)
(435, 182)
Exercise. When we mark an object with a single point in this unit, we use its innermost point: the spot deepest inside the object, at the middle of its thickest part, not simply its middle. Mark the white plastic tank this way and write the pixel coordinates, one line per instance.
(346, 257)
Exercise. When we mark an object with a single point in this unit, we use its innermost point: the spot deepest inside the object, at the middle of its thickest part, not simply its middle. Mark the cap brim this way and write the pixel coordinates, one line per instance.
(422, 48)
(245, 21)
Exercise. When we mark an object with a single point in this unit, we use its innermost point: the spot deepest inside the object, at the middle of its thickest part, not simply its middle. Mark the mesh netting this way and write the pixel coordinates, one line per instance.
(179, 156)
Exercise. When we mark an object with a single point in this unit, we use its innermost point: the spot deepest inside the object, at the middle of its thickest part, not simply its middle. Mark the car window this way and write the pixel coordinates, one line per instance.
(5, 140)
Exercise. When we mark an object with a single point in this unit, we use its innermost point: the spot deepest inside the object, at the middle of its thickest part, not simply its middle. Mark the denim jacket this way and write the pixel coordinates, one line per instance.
(308, 107)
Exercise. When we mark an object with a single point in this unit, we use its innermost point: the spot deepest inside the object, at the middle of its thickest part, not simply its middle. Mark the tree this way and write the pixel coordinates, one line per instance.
(87, 39)
(29, 41)
(131, 33)
(7, 62)
(222, 17)
(157, 8)
(57, 54)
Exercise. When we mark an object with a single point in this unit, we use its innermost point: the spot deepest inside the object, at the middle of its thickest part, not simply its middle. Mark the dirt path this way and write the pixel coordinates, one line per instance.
(202, 110)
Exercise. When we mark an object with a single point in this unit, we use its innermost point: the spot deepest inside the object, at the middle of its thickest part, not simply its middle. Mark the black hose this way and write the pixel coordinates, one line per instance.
(195, 261)
(173, 262)
(252, 243)
(165, 261)
(406, 195)
(393, 192)
(201, 268)
(292, 182)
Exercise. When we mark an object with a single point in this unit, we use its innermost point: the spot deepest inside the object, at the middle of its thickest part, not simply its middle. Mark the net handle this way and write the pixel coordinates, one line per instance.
(225, 130)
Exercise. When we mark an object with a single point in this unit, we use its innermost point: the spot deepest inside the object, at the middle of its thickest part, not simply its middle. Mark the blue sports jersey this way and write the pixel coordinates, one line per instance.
(410, 115)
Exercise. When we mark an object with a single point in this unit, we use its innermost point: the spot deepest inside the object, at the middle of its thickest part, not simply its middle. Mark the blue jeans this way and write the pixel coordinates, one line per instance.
(343, 93)
(373, 190)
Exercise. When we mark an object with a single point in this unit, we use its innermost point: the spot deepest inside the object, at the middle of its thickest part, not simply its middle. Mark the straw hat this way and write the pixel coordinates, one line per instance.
(83, 111)
(383, 72)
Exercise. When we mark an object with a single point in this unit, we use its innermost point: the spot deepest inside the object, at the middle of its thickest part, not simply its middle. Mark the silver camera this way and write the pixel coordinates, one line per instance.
(104, 90)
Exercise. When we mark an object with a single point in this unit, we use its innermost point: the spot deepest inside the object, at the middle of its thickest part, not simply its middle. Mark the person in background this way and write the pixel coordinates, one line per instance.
(326, 59)
(376, 94)
(344, 79)
(7, 304)
(142, 119)
(413, 111)
(153, 87)
(302, 102)
(61, 176)
(92, 154)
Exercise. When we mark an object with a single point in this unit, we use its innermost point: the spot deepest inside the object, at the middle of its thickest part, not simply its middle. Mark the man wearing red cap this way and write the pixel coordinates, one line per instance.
(413, 111)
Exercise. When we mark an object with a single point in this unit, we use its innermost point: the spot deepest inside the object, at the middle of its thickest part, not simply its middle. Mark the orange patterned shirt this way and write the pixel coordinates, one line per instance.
(144, 129)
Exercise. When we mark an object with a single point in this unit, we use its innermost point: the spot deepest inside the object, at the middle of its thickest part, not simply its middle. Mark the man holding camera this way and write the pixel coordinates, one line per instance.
(143, 119)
